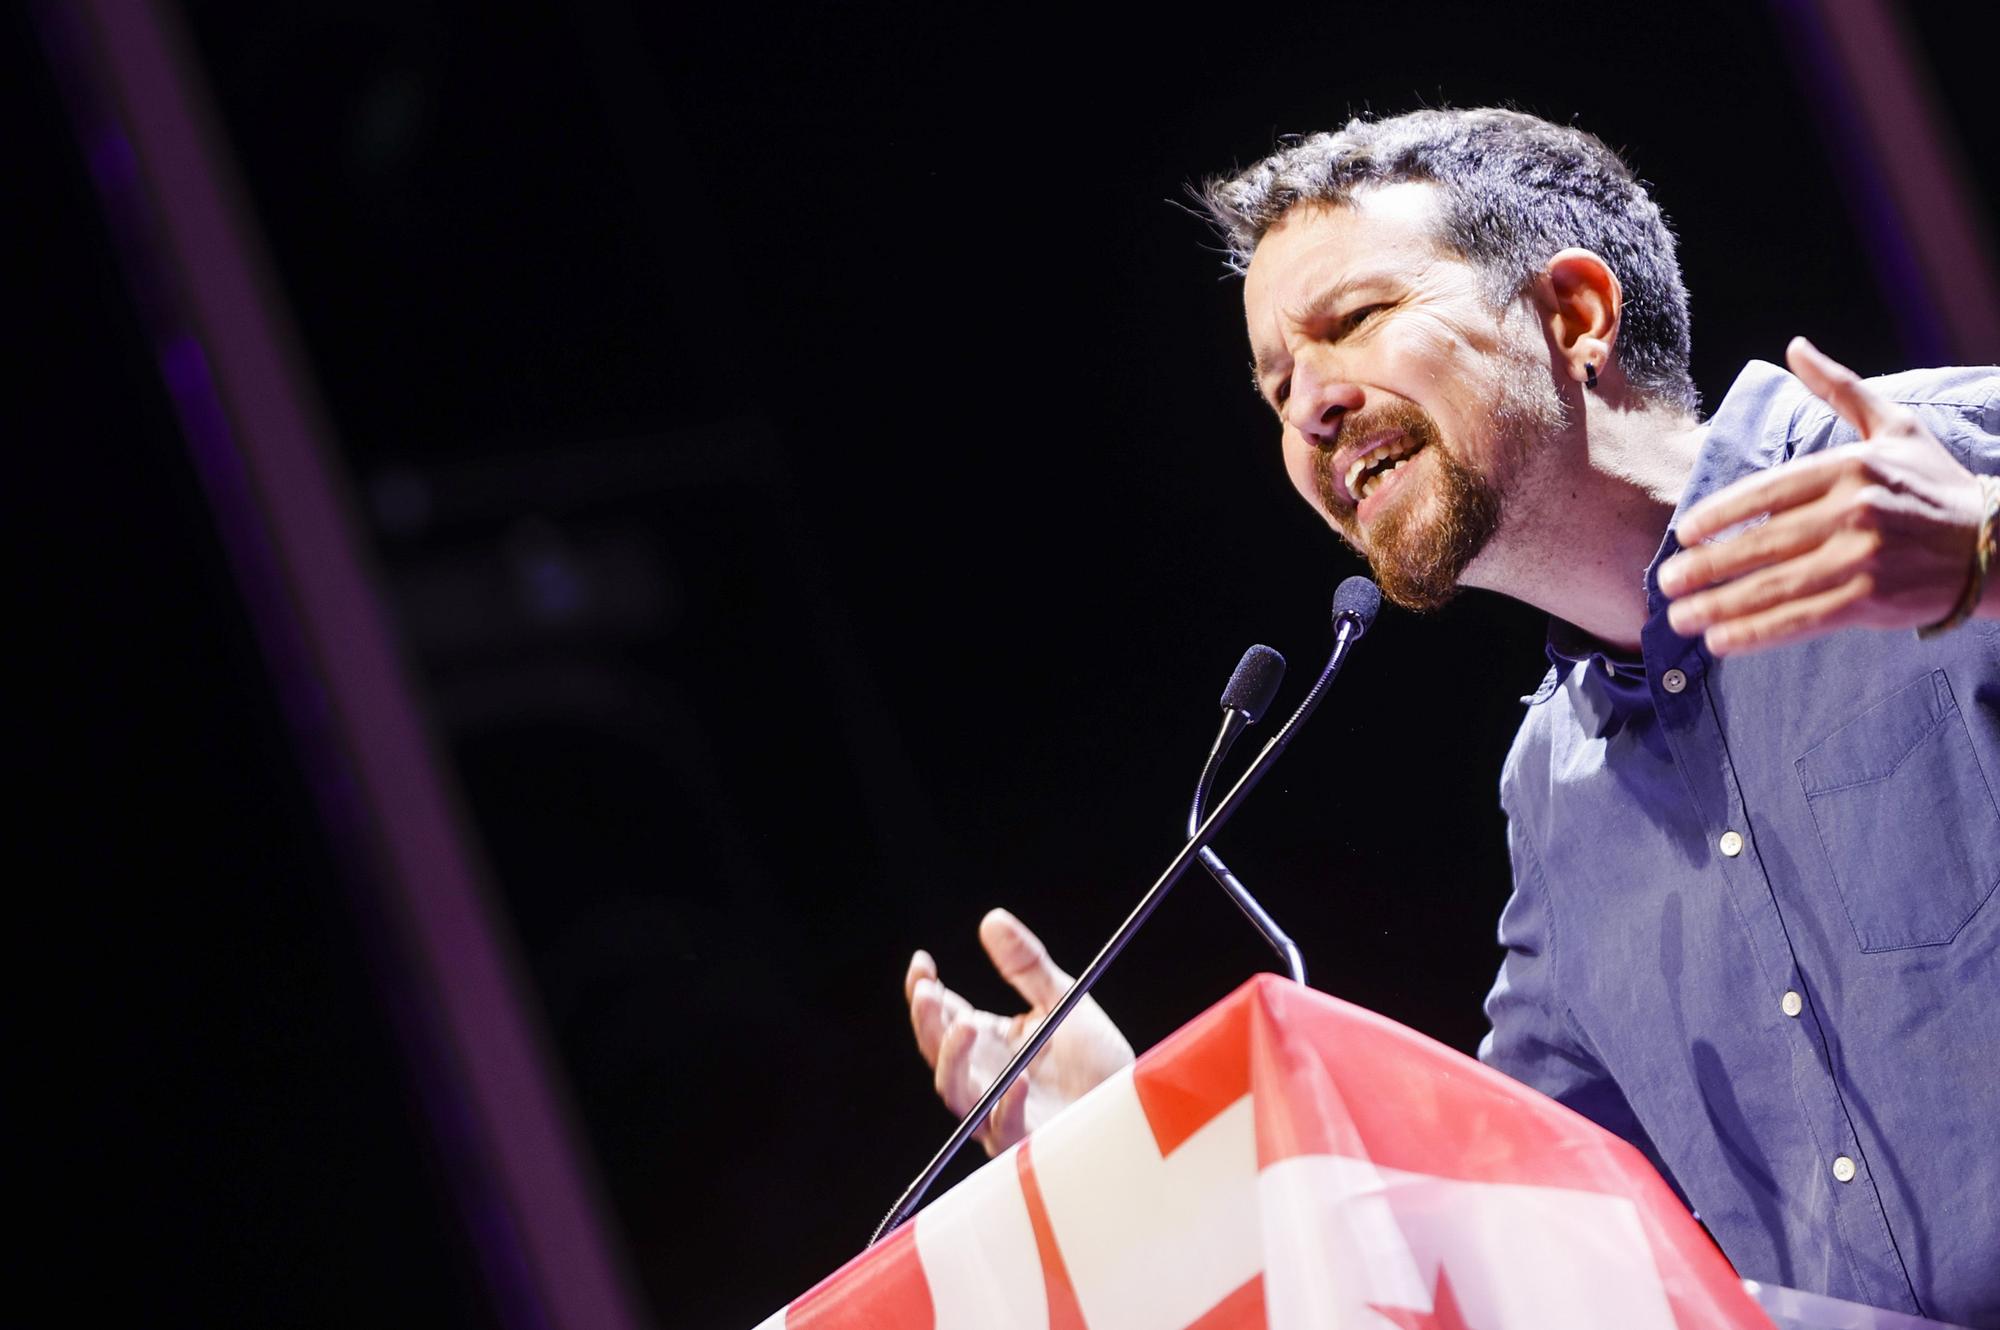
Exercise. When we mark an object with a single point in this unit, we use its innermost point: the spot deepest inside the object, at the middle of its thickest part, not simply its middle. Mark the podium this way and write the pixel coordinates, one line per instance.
(1290, 1160)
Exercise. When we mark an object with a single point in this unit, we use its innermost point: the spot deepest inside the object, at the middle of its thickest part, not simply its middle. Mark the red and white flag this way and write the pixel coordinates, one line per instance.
(1292, 1161)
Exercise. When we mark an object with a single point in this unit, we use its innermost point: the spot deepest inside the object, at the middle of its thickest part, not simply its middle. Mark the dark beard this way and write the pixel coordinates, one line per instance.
(1418, 562)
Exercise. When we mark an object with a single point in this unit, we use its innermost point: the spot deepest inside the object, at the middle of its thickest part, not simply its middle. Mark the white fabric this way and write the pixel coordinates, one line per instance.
(1352, 1234)
(978, 1252)
(1150, 1243)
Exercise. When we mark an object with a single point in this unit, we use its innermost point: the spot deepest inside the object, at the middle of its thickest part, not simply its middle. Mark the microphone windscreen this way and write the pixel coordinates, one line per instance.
(1254, 686)
(1359, 598)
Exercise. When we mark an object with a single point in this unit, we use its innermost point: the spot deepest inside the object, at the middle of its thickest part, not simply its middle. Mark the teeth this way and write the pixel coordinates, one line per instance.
(1360, 488)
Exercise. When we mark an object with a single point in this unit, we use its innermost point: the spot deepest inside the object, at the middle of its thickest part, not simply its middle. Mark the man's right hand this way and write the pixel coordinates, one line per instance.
(967, 1047)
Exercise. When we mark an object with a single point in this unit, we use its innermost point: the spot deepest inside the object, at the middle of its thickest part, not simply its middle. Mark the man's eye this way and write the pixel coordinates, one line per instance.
(1284, 392)
(1360, 316)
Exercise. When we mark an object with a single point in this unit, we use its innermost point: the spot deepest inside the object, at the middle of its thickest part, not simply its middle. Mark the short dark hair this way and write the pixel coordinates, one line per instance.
(1513, 189)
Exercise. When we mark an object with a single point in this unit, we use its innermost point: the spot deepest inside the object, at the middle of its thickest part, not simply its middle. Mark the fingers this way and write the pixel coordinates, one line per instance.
(933, 1007)
(1820, 567)
(960, 1083)
(923, 992)
(927, 1020)
(1021, 959)
(965, 1046)
(1803, 480)
(1867, 534)
(1772, 491)
(1008, 1122)
(1784, 536)
(1841, 388)
(954, 1068)
(921, 967)
(1839, 607)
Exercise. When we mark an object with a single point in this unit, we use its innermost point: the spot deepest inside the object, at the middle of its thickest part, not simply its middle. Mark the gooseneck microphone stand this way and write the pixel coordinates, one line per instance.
(1354, 607)
(1247, 696)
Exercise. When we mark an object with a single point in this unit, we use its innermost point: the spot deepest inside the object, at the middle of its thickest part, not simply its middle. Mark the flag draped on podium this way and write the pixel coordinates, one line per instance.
(1289, 1160)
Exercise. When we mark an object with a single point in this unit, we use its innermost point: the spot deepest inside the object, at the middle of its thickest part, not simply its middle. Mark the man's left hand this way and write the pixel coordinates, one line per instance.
(1879, 533)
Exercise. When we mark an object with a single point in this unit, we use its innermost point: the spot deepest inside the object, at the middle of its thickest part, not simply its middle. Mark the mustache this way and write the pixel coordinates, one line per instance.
(1403, 417)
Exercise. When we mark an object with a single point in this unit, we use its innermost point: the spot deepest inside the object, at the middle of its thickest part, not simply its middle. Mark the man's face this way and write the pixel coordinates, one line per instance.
(1410, 406)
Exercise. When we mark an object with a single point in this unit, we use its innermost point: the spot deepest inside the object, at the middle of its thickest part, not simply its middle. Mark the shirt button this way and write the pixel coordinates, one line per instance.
(1731, 844)
(1673, 681)
(1791, 1004)
(1843, 1169)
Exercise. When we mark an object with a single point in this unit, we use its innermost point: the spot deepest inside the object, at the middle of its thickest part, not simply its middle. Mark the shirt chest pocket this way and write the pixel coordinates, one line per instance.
(1904, 813)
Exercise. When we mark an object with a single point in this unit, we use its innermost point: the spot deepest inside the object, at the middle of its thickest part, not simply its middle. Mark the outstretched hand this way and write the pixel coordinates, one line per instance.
(967, 1048)
(1879, 533)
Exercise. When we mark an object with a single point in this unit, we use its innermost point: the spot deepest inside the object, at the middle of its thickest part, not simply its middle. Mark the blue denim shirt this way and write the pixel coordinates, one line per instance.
(1752, 927)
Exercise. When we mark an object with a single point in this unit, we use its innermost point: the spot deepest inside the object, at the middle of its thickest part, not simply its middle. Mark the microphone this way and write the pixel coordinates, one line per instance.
(1254, 686)
(1354, 606)
(1357, 600)
(1248, 696)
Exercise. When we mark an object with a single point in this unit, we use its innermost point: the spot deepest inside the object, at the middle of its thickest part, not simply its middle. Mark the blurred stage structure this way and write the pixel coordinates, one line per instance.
(261, 443)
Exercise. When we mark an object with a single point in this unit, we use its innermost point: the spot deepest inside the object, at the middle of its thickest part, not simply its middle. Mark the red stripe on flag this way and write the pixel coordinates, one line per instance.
(881, 1289)
(1065, 1313)
(1195, 1073)
(1241, 1310)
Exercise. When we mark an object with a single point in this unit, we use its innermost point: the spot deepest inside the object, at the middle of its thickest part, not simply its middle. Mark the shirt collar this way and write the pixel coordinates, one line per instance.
(1750, 430)
(1606, 687)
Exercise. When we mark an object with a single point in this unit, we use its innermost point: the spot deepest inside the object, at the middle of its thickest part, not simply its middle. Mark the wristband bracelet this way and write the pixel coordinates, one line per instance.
(1984, 555)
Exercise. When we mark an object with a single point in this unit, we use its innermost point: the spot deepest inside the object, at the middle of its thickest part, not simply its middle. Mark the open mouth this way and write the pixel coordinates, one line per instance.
(1369, 472)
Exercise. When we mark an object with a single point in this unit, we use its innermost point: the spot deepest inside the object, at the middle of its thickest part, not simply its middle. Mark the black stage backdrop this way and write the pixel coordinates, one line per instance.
(811, 456)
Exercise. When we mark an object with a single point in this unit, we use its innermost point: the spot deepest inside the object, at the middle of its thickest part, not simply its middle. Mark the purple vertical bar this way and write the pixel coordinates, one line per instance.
(1899, 163)
(264, 452)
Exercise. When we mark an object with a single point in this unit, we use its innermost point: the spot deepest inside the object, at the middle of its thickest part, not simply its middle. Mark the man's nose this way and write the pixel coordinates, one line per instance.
(1318, 402)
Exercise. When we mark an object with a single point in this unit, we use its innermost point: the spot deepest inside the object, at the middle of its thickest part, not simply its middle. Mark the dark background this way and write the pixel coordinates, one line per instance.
(810, 454)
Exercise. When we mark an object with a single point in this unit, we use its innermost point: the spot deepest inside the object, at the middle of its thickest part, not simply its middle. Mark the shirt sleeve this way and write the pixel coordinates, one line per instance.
(1972, 431)
(1959, 406)
(1533, 1037)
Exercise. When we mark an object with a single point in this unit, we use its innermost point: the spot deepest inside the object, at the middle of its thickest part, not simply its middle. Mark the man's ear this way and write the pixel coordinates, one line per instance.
(1580, 301)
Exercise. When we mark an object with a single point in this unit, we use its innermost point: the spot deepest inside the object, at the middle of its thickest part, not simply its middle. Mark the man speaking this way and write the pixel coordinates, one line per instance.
(1752, 807)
